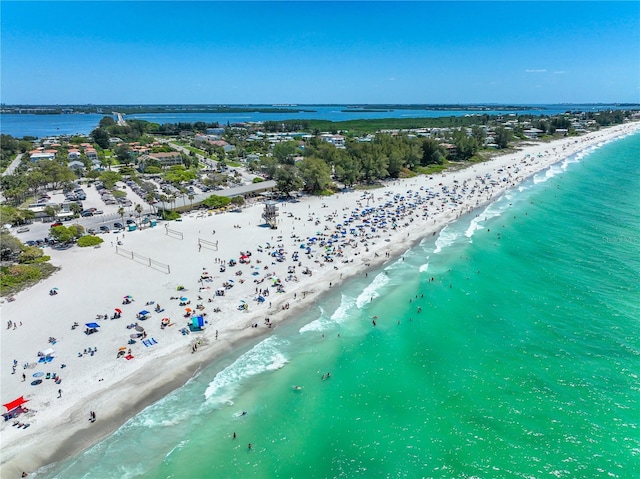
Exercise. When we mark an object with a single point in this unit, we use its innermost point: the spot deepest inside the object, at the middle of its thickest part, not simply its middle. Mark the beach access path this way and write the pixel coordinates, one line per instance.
(354, 231)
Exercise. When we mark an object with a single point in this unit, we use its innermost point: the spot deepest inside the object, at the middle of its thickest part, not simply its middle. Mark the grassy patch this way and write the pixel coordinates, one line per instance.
(17, 277)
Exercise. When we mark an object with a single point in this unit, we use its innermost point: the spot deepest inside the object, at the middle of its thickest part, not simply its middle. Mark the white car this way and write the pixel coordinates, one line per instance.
(23, 229)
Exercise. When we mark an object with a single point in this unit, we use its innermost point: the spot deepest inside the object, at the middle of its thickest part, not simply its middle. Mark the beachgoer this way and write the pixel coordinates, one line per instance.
(59, 393)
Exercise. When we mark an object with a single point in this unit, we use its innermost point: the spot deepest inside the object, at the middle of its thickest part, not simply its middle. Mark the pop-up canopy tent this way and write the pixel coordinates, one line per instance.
(15, 403)
(197, 323)
(14, 408)
(48, 352)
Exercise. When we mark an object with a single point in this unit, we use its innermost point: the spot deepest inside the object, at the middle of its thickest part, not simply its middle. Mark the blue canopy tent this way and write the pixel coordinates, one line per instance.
(196, 323)
(91, 328)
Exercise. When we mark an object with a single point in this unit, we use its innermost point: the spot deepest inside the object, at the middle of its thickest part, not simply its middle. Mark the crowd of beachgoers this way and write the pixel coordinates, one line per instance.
(84, 347)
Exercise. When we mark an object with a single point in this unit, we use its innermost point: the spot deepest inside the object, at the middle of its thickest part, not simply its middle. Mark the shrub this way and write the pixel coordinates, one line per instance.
(170, 215)
(89, 240)
(215, 201)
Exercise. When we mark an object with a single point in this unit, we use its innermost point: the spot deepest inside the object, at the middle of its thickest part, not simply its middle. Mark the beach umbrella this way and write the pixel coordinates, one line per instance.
(92, 325)
(188, 310)
(122, 349)
(184, 298)
(119, 311)
(128, 296)
(144, 312)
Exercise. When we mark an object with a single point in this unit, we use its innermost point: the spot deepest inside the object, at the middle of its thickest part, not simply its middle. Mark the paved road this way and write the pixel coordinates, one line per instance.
(14, 164)
(121, 121)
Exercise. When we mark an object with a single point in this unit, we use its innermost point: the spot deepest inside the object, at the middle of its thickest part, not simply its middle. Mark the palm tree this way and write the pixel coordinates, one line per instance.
(164, 199)
(191, 197)
(150, 197)
(138, 210)
(121, 213)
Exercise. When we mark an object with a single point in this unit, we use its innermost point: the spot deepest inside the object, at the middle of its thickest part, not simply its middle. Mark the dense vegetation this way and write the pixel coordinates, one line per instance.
(22, 265)
(10, 147)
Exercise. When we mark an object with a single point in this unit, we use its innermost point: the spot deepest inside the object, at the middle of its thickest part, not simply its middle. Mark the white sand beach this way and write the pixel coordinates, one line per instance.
(320, 242)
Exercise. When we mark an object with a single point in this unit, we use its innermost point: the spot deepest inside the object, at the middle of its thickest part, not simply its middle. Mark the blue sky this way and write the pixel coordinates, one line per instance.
(319, 52)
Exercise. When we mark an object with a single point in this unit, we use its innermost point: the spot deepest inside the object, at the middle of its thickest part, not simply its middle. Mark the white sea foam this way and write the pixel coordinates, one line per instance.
(547, 174)
(424, 267)
(264, 356)
(492, 211)
(319, 324)
(340, 314)
(372, 291)
(446, 238)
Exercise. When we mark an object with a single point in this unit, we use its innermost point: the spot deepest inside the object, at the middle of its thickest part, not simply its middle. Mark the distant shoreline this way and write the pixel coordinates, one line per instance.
(131, 109)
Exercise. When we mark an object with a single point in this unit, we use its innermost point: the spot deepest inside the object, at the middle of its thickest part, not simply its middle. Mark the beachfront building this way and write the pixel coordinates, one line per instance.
(532, 133)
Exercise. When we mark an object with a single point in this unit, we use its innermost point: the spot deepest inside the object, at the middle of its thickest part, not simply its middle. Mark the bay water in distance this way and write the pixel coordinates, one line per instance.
(40, 126)
(519, 359)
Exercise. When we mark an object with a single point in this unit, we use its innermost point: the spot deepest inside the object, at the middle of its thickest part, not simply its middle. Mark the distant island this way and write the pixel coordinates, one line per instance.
(140, 109)
(264, 108)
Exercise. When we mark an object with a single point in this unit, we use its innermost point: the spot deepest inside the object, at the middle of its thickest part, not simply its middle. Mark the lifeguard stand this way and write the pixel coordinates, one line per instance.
(270, 214)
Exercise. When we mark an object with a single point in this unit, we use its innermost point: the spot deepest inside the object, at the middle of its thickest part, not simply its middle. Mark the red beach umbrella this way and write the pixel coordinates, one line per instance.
(119, 311)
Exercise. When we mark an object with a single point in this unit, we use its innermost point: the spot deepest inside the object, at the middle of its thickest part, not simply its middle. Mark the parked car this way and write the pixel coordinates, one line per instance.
(91, 231)
(104, 228)
(86, 213)
(57, 223)
(117, 225)
(23, 229)
(98, 212)
(131, 222)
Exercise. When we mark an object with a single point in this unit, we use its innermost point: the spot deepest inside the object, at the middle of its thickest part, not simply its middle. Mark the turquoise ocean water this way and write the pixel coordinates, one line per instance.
(519, 360)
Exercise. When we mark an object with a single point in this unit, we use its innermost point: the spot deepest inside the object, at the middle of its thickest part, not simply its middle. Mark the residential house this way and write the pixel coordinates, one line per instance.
(336, 140)
(532, 133)
(39, 154)
(76, 165)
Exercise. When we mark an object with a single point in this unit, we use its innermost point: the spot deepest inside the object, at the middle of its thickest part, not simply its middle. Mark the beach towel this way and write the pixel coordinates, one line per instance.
(146, 342)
